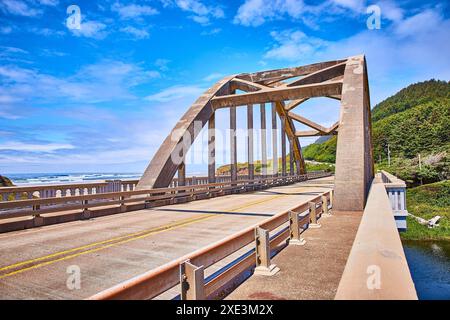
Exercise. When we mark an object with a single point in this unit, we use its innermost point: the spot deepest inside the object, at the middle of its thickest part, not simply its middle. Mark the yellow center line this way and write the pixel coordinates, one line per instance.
(120, 240)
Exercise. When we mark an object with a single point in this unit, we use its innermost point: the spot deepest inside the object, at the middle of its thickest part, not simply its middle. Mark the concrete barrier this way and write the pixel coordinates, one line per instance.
(376, 268)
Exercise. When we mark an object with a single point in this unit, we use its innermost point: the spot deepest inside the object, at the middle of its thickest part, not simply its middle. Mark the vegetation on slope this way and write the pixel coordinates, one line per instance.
(414, 121)
(411, 96)
(428, 201)
(243, 167)
(322, 152)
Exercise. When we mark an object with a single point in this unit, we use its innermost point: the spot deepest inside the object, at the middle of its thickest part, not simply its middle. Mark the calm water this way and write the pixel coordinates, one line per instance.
(429, 262)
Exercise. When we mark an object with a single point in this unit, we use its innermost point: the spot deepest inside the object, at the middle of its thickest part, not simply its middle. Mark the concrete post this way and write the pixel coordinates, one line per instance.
(262, 246)
(192, 280)
(283, 147)
(274, 140)
(294, 227)
(325, 205)
(251, 166)
(233, 146)
(313, 216)
(263, 140)
(291, 158)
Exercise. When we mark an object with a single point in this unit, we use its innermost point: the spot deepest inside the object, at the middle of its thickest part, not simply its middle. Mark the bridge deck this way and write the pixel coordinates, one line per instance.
(111, 249)
(312, 271)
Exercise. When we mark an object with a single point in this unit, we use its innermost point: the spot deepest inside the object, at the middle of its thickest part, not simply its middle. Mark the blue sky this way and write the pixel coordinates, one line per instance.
(103, 98)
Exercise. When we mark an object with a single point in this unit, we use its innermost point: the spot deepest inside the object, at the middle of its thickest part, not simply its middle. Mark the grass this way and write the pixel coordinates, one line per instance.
(426, 202)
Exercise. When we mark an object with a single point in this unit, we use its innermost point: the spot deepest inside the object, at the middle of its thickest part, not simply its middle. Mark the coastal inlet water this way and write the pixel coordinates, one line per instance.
(429, 263)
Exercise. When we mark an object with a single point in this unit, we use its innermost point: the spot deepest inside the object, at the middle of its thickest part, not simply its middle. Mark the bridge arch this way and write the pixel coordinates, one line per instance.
(286, 89)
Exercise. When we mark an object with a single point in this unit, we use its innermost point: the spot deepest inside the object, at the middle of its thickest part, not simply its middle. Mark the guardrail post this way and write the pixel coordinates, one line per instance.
(123, 207)
(192, 281)
(262, 247)
(331, 197)
(325, 205)
(86, 212)
(313, 216)
(294, 227)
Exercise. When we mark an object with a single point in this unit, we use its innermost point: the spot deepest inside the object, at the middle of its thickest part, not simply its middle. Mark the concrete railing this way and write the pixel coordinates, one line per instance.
(188, 271)
(376, 267)
(65, 190)
(45, 191)
(396, 190)
(45, 211)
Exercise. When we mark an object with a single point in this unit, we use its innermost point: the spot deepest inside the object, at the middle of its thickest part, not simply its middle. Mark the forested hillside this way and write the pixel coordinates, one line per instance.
(414, 121)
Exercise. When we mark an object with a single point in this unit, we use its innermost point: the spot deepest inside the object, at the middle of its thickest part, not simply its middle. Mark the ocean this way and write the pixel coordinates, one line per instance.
(55, 178)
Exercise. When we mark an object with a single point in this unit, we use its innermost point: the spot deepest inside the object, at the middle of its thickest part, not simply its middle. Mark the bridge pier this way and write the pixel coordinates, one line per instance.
(274, 140)
(212, 149)
(233, 145)
(263, 140)
(283, 146)
(250, 139)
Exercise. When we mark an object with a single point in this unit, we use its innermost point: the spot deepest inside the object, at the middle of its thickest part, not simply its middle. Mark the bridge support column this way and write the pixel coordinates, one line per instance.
(262, 246)
(354, 156)
(294, 226)
(274, 140)
(182, 174)
(325, 205)
(192, 279)
(251, 166)
(233, 146)
(212, 149)
(283, 147)
(314, 224)
(291, 157)
(263, 140)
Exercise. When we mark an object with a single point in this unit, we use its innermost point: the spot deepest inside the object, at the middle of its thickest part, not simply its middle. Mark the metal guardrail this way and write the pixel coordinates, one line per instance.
(189, 269)
(396, 190)
(37, 206)
(45, 191)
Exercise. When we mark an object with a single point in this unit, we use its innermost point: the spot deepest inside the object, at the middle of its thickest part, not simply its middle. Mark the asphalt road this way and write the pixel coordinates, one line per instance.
(43, 263)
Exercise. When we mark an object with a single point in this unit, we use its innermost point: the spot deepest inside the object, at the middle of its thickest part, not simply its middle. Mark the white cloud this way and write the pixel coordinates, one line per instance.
(175, 93)
(107, 80)
(292, 45)
(51, 3)
(132, 11)
(211, 32)
(162, 64)
(46, 32)
(256, 12)
(213, 76)
(201, 12)
(5, 29)
(20, 8)
(91, 29)
(355, 5)
(423, 22)
(415, 48)
(20, 146)
(390, 10)
(137, 33)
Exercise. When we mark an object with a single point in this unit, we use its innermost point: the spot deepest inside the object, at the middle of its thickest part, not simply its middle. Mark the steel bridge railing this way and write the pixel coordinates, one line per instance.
(91, 205)
(267, 237)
